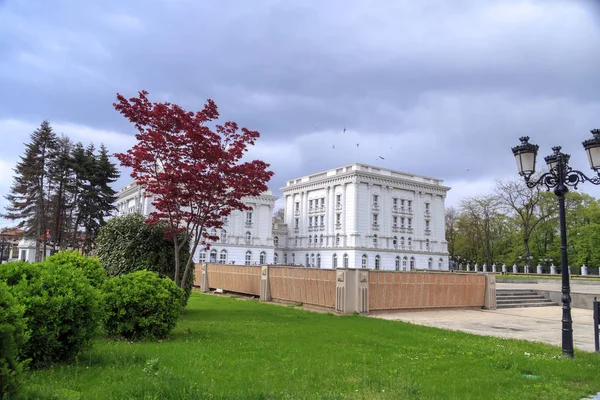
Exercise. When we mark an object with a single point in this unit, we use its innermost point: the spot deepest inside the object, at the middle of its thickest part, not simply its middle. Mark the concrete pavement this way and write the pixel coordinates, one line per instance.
(541, 324)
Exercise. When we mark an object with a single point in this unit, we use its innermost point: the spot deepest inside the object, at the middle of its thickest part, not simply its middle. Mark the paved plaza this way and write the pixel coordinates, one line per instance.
(542, 324)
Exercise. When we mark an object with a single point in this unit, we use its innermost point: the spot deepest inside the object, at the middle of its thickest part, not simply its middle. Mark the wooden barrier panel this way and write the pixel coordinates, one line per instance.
(234, 278)
(390, 290)
(306, 285)
(197, 274)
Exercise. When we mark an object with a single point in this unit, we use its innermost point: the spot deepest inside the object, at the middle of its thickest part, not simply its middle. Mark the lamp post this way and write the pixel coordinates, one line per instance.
(527, 259)
(546, 261)
(457, 260)
(4, 245)
(559, 177)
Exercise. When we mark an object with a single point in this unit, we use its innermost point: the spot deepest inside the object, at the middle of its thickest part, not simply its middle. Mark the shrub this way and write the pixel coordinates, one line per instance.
(62, 309)
(12, 337)
(127, 244)
(141, 305)
(91, 266)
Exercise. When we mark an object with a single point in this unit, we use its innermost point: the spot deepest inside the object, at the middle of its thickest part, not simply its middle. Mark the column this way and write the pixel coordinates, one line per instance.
(355, 206)
(344, 222)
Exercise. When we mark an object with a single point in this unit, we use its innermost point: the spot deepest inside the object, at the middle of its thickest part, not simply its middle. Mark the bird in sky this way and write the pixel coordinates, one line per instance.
(334, 146)
(467, 169)
(316, 126)
(382, 158)
(357, 144)
(344, 130)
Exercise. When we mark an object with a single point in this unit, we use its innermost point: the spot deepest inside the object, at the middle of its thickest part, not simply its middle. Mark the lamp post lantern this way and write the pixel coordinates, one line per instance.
(559, 177)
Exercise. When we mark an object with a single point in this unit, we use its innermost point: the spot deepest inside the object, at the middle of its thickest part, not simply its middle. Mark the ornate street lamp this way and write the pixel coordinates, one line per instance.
(559, 177)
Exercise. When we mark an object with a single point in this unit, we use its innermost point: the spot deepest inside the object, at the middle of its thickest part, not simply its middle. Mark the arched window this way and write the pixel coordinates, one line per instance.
(395, 241)
(223, 236)
(312, 260)
(430, 263)
(412, 263)
(275, 258)
(334, 261)
(285, 258)
(345, 260)
(427, 244)
(263, 257)
(202, 257)
(223, 257)
(248, 257)
(364, 262)
(404, 262)
(397, 263)
(318, 260)
(375, 240)
(309, 240)
(296, 241)
(307, 263)
(409, 243)
(293, 258)
(248, 238)
(402, 241)
(275, 241)
(321, 240)
(213, 232)
(440, 263)
(377, 260)
(337, 239)
(213, 256)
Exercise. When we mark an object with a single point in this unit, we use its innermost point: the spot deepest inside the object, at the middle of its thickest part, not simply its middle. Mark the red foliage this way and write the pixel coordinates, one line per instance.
(193, 172)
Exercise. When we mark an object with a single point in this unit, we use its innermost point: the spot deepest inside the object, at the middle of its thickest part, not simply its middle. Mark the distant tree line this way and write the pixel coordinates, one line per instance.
(61, 192)
(515, 223)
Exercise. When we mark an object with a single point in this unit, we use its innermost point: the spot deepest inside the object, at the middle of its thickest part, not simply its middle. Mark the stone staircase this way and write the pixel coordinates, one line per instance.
(514, 298)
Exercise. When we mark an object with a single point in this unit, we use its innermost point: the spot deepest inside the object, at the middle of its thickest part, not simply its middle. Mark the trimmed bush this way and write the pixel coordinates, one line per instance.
(141, 305)
(127, 244)
(12, 337)
(62, 310)
(91, 266)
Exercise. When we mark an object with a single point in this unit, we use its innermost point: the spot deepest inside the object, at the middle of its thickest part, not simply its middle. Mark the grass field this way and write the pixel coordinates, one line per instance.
(226, 348)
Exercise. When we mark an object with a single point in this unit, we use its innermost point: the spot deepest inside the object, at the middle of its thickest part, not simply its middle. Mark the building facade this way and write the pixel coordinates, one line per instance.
(355, 216)
(360, 216)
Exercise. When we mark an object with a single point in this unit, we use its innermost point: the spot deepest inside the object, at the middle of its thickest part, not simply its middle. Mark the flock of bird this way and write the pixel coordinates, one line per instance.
(357, 144)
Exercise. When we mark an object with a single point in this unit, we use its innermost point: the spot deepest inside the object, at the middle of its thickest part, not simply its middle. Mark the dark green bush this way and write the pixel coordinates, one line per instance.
(91, 266)
(62, 309)
(12, 337)
(127, 244)
(141, 305)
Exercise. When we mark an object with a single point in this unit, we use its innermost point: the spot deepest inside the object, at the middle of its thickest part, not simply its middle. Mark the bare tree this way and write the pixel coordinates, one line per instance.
(278, 216)
(482, 211)
(526, 205)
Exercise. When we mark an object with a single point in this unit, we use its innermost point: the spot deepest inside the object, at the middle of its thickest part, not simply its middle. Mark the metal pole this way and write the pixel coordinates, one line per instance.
(567, 321)
(596, 323)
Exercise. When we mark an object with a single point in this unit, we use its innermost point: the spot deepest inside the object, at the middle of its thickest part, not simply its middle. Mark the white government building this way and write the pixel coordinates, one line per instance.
(355, 216)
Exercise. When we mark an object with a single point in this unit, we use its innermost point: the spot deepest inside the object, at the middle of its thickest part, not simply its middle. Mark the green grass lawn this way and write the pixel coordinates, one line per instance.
(226, 348)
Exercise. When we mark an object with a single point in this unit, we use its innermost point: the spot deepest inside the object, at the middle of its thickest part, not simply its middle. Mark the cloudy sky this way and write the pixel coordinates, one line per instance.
(437, 88)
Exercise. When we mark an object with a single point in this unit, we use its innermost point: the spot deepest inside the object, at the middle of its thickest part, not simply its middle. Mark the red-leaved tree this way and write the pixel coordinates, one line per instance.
(194, 173)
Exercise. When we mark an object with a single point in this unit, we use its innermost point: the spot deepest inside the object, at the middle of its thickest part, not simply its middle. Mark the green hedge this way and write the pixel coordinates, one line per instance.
(62, 309)
(141, 305)
(12, 338)
(127, 244)
(91, 266)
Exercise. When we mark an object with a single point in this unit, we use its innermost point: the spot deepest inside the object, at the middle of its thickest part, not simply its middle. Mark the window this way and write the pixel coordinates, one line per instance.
(345, 260)
(285, 258)
(312, 260)
(318, 260)
(337, 239)
(321, 239)
(213, 256)
(263, 257)
(397, 263)
(364, 262)
(395, 202)
(249, 218)
(338, 218)
(395, 222)
(395, 241)
(412, 263)
(402, 222)
(296, 241)
(323, 202)
(307, 263)
(402, 241)
(374, 240)
(248, 238)
(309, 240)
(276, 241)
(430, 263)
(409, 242)
(322, 220)
(275, 258)
(223, 257)
(402, 203)
(426, 244)
(427, 224)
(293, 258)
(309, 222)
(375, 217)
(375, 200)
(202, 257)
(440, 263)
(426, 207)
(409, 205)
(297, 207)
(409, 223)
(223, 236)
(334, 261)
(297, 223)
(338, 199)
(377, 260)
(404, 261)
(213, 233)
(310, 204)
(248, 257)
